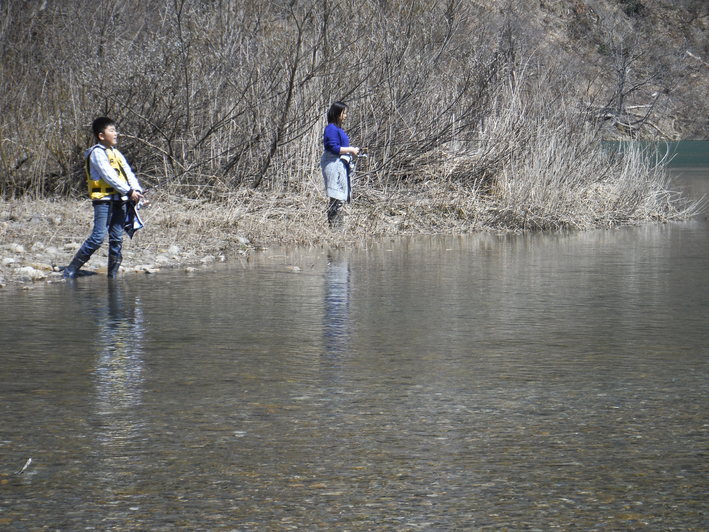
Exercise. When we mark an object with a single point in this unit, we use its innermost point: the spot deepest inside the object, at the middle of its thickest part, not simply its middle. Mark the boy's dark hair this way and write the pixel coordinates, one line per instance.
(333, 114)
(100, 124)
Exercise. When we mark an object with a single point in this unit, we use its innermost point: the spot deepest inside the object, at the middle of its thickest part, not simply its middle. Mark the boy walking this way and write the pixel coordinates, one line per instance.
(111, 185)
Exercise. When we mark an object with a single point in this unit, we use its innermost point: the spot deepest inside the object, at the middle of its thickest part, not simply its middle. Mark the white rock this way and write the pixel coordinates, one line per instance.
(16, 248)
(207, 260)
(6, 261)
(28, 273)
(146, 268)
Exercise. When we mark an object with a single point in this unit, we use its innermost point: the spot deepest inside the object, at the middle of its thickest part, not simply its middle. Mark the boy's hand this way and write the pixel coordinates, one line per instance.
(136, 196)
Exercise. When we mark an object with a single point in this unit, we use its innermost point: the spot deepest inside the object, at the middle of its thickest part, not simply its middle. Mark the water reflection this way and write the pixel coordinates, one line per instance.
(336, 319)
(119, 368)
(119, 378)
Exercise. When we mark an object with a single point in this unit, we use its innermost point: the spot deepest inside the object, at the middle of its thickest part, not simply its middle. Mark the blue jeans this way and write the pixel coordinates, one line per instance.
(109, 217)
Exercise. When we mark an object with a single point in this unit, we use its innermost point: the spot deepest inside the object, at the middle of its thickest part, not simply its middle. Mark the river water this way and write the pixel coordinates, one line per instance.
(544, 382)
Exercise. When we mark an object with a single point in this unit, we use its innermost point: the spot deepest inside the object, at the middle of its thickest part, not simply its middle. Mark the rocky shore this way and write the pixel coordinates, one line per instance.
(39, 237)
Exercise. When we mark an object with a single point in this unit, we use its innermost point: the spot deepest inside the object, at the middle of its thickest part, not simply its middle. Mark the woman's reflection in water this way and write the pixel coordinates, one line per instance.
(336, 326)
(336, 339)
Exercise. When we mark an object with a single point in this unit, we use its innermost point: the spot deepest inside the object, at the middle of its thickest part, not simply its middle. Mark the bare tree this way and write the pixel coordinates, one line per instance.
(217, 95)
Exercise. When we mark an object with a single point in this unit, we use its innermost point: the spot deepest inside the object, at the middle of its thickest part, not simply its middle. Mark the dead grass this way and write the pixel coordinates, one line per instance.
(559, 190)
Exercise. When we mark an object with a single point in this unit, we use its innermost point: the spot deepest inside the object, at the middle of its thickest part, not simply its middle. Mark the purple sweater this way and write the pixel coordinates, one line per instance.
(335, 138)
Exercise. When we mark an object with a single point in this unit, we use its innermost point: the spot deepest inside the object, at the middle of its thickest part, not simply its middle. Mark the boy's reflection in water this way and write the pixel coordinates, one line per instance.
(119, 379)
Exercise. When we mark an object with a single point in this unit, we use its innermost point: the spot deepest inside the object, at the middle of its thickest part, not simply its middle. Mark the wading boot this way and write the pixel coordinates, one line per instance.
(114, 262)
(334, 214)
(77, 262)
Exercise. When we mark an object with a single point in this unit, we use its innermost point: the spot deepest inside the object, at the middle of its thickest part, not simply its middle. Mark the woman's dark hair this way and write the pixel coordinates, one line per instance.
(333, 114)
(100, 124)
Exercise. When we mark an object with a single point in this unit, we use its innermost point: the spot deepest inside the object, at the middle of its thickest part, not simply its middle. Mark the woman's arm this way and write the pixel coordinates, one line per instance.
(351, 150)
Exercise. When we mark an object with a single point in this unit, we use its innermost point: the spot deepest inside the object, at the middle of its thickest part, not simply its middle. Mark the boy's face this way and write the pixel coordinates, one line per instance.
(109, 136)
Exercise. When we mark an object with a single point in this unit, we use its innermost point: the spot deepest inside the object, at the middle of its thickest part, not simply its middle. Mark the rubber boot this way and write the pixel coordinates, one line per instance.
(114, 262)
(77, 262)
(334, 216)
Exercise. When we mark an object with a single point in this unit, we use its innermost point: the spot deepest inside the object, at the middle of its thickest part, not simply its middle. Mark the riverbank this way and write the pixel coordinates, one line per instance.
(38, 237)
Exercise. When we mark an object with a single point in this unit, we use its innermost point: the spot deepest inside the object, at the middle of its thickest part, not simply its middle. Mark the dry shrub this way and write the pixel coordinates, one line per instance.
(215, 100)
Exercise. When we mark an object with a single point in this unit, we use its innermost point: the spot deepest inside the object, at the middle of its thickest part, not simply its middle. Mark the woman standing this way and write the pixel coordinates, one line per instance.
(335, 161)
